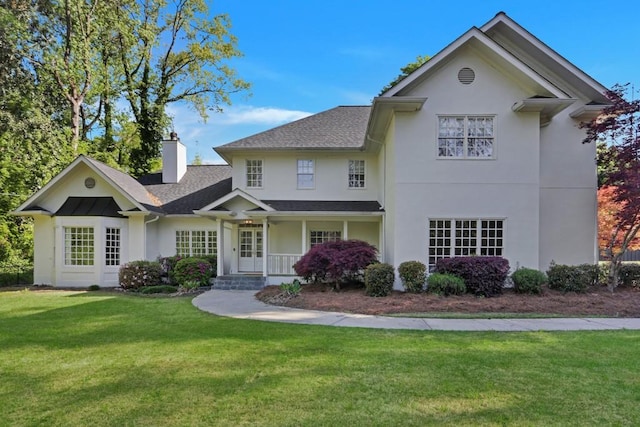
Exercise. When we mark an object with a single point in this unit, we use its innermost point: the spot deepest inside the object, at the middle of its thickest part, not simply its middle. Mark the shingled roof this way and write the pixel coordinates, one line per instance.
(338, 128)
(200, 185)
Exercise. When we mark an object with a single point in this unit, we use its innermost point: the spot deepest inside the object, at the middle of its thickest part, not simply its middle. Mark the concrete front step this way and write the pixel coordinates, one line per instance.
(239, 282)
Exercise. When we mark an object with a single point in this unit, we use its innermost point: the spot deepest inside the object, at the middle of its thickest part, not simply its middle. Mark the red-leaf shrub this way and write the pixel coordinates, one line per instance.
(483, 276)
(335, 261)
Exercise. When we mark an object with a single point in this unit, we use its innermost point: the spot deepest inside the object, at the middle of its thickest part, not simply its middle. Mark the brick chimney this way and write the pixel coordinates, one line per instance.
(174, 159)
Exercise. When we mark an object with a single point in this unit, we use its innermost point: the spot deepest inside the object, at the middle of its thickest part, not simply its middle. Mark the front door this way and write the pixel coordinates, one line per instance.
(250, 253)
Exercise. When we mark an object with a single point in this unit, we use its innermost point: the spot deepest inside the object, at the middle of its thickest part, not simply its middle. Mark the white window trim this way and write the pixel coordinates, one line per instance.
(324, 237)
(313, 174)
(494, 150)
(65, 258)
(452, 247)
(246, 174)
(364, 184)
(207, 242)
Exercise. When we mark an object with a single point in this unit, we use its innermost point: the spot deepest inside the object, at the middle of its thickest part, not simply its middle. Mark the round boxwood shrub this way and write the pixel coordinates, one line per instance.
(412, 275)
(528, 281)
(189, 270)
(378, 280)
(445, 284)
(569, 278)
(139, 274)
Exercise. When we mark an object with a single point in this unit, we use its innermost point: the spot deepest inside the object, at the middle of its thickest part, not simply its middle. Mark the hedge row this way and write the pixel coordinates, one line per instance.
(186, 272)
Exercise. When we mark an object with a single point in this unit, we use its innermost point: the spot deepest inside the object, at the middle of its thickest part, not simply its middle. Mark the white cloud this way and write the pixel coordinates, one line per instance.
(249, 115)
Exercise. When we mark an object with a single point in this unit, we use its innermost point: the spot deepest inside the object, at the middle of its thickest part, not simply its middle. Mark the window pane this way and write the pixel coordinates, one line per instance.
(254, 173)
(317, 237)
(466, 137)
(305, 174)
(183, 244)
(78, 245)
(356, 173)
(112, 246)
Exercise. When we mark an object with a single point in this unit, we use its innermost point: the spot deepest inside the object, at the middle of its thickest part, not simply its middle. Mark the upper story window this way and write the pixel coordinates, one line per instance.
(254, 173)
(305, 174)
(466, 137)
(356, 174)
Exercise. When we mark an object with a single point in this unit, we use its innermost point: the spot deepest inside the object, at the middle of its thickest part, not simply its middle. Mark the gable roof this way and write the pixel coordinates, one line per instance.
(125, 184)
(340, 128)
(200, 185)
(507, 43)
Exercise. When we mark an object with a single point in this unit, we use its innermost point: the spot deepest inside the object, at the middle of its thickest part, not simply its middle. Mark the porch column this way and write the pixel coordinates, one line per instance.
(345, 230)
(265, 247)
(304, 237)
(220, 246)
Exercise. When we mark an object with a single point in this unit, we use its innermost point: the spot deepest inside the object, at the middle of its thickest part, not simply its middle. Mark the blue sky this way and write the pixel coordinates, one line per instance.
(307, 56)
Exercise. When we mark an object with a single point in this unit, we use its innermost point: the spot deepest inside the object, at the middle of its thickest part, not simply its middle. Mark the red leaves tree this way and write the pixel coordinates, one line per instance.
(335, 261)
(619, 126)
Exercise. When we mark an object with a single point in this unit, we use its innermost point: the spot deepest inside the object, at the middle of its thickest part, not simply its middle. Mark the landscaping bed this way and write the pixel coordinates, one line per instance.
(597, 301)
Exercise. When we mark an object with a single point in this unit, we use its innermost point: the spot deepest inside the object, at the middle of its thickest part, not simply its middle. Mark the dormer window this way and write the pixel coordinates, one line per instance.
(254, 173)
(466, 137)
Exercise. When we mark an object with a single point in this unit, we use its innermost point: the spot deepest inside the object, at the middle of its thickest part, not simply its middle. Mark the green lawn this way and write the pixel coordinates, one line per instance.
(76, 358)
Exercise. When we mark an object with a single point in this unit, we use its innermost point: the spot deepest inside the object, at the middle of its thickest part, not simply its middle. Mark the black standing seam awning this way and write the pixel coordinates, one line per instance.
(90, 206)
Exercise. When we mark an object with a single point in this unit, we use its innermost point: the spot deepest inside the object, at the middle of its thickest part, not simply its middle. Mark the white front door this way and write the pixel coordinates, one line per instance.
(250, 253)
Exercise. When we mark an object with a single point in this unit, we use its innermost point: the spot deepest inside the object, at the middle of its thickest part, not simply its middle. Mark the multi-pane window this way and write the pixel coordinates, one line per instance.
(254, 173)
(78, 245)
(356, 174)
(317, 237)
(466, 136)
(196, 243)
(112, 246)
(305, 174)
(464, 237)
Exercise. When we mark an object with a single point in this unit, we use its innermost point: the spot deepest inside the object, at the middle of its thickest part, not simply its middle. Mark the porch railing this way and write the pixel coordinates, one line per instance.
(282, 264)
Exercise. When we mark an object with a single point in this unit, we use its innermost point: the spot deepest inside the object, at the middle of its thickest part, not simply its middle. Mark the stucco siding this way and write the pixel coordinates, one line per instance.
(44, 261)
(330, 176)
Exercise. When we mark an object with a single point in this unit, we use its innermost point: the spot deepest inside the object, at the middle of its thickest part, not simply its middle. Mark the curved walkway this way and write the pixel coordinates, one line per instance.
(244, 305)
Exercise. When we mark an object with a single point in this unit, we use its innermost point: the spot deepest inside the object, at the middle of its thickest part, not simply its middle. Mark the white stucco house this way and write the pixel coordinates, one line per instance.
(476, 152)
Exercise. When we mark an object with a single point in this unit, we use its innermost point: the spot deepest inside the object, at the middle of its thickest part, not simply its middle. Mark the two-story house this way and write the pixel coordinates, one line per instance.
(476, 152)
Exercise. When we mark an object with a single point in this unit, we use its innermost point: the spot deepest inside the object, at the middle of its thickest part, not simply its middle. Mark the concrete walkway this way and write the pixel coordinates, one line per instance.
(244, 305)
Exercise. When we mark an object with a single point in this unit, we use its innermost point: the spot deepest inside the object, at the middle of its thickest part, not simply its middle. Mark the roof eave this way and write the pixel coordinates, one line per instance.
(383, 109)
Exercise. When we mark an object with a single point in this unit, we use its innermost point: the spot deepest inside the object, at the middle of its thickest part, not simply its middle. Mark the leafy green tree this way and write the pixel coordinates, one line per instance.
(175, 53)
(405, 71)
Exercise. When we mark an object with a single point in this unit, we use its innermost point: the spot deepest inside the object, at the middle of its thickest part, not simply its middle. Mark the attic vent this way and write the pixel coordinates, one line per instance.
(466, 76)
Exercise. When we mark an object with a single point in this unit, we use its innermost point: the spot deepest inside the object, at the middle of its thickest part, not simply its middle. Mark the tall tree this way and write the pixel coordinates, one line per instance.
(405, 71)
(175, 53)
(619, 126)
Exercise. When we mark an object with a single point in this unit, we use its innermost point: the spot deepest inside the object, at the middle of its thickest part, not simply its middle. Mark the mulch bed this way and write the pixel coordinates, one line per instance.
(598, 301)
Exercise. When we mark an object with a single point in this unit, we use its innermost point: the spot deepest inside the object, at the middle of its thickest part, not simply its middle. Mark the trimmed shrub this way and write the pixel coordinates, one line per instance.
(213, 261)
(196, 270)
(528, 281)
(291, 289)
(412, 274)
(168, 264)
(378, 280)
(482, 275)
(160, 289)
(93, 288)
(139, 274)
(336, 262)
(629, 275)
(570, 278)
(445, 284)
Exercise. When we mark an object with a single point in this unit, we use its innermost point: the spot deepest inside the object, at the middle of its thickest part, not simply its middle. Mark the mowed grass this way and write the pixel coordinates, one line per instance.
(78, 359)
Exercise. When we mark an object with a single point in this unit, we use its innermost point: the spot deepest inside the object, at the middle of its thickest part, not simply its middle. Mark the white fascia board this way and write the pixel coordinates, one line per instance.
(237, 193)
(475, 34)
(521, 31)
(311, 213)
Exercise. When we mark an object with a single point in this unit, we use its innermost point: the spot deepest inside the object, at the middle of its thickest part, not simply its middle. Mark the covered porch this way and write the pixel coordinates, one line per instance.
(261, 240)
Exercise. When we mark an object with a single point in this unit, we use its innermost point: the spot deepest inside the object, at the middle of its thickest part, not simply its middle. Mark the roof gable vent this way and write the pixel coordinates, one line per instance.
(466, 76)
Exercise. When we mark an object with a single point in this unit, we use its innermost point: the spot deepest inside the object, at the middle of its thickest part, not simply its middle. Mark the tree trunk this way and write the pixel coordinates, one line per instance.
(614, 272)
